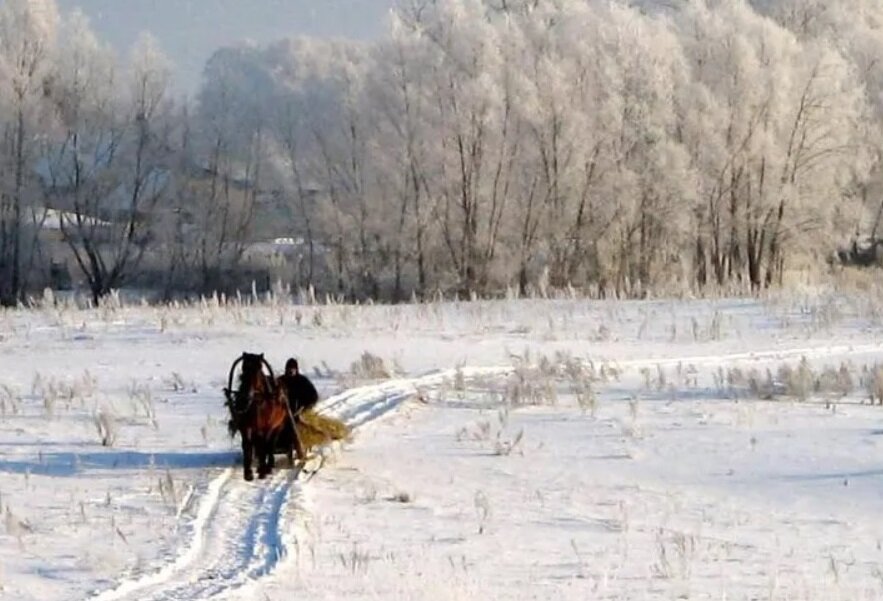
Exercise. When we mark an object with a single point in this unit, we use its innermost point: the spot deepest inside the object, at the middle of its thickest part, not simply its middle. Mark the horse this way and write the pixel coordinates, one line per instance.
(258, 411)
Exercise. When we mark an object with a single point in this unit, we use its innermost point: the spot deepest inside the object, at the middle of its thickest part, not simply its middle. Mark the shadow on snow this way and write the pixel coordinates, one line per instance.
(68, 464)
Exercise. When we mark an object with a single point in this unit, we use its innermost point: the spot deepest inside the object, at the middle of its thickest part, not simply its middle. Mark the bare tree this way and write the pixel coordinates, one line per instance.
(107, 170)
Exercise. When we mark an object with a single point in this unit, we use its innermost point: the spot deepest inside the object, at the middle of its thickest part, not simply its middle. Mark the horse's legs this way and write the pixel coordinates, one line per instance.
(271, 452)
(247, 452)
(261, 445)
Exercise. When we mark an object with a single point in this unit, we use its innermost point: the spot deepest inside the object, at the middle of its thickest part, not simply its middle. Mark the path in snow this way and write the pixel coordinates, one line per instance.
(239, 531)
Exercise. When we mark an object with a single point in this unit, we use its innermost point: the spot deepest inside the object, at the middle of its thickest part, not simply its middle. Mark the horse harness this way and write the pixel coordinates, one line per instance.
(234, 397)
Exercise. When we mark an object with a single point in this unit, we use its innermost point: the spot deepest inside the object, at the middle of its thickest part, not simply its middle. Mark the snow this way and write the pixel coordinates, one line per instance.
(521, 449)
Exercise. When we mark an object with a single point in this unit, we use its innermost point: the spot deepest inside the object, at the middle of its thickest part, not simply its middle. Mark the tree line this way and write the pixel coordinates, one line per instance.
(478, 146)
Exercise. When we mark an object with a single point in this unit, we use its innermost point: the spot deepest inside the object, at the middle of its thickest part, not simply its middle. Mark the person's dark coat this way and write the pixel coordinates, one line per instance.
(302, 395)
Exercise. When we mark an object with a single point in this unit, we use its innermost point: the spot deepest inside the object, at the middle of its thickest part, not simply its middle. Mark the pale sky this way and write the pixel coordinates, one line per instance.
(190, 30)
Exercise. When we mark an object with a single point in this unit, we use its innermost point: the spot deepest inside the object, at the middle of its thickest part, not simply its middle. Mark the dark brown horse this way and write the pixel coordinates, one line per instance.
(258, 411)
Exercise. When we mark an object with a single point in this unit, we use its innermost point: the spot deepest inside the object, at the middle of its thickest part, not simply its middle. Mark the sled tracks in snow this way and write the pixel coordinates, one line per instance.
(240, 532)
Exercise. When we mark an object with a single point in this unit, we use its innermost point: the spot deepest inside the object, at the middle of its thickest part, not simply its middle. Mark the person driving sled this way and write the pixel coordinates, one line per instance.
(302, 396)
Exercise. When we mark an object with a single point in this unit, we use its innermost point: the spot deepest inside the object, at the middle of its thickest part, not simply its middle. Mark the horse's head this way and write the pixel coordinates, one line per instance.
(252, 368)
(251, 379)
(252, 375)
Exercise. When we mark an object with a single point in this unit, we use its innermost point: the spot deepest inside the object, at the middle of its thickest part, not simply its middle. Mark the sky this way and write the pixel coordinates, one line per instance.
(190, 30)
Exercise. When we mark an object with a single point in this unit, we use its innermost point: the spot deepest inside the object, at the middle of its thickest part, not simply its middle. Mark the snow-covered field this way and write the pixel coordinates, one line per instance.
(547, 449)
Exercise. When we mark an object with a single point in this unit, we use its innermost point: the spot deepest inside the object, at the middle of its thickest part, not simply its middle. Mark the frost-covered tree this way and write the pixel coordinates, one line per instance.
(472, 125)
(398, 96)
(105, 164)
(27, 44)
(854, 28)
(620, 147)
(482, 145)
(229, 132)
(774, 129)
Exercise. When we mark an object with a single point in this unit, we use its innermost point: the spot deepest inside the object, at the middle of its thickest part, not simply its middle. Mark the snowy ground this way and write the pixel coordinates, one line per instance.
(519, 449)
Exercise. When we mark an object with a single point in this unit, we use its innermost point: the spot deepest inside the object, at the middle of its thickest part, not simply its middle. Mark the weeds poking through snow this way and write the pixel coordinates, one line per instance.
(504, 447)
(116, 530)
(401, 497)
(761, 386)
(657, 381)
(798, 383)
(835, 571)
(674, 547)
(52, 390)
(142, 400)
(661, 379)
(10, 401)
(16, 527)
(584, 391)
(633, 428)
(106, 426)
(371, 367)
(603, 334)
(207, 427)
(367, 495)
(482, 510)
(328, 373)
(645, 374)
(581, 563)
(484, 432)
(167, 489)
(356, 560)
(121, 535)
(688, 376)
(530, 385)
(873, 383)
(186, 503)
(837, 381)
(634, 406)
(713, 331)
(609, 372)
(176, 382)
(459, 379)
